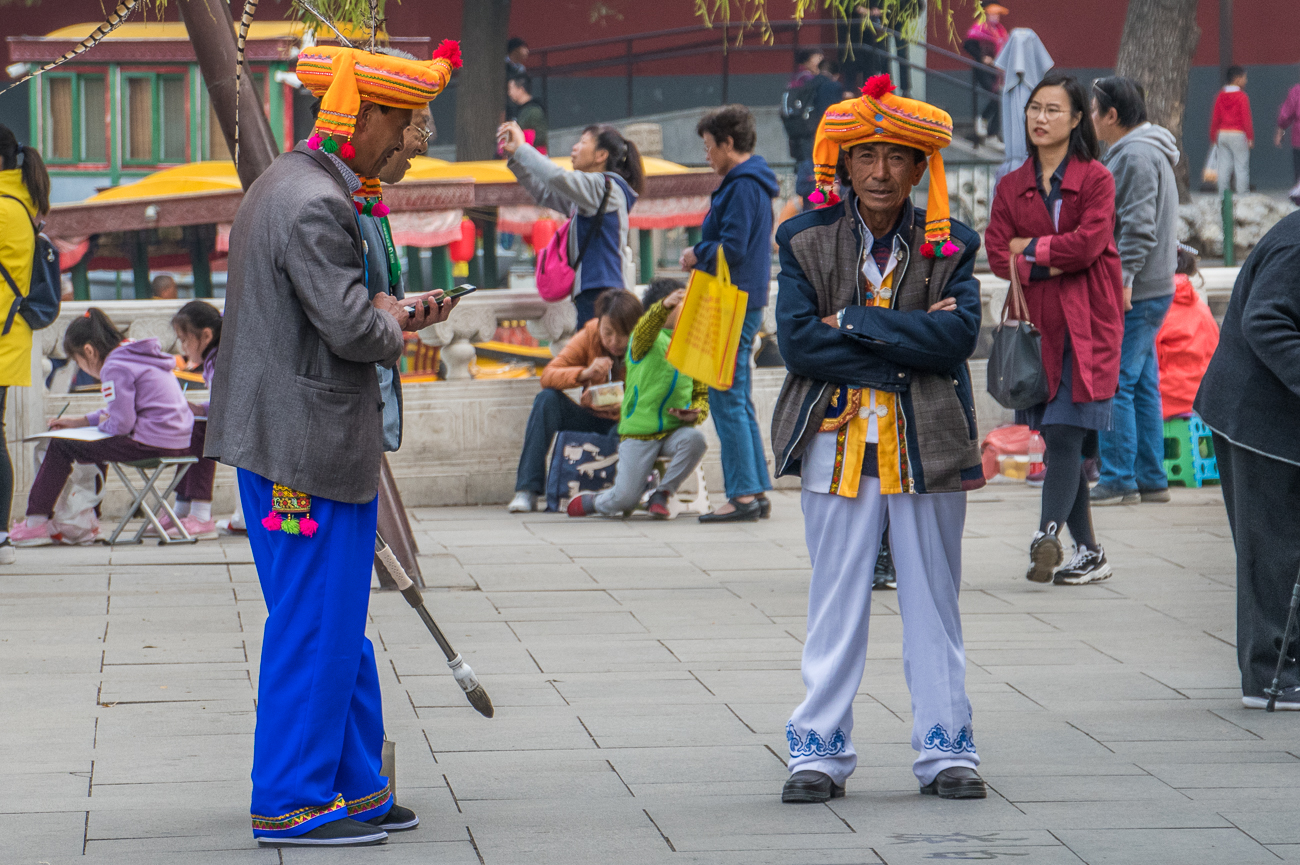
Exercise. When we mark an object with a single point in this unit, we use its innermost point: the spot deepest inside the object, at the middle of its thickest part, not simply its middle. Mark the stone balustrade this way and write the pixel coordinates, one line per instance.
(462, 437)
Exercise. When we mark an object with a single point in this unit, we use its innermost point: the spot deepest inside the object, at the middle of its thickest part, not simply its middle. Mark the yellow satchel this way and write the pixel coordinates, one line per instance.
(707, 337)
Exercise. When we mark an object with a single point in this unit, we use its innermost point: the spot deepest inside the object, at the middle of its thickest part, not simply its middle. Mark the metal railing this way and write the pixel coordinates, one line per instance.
(628, 52)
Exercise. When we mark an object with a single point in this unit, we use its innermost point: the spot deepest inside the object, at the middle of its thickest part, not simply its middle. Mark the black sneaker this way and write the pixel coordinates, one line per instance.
(1087, 566)
(337, 833)
(1155, 495)
(1045, 553)
(885, 576)
(398, 819)
(1103, 494)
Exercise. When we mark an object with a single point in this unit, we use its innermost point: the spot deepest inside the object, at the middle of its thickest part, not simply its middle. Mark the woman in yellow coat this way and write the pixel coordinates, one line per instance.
(24, 200)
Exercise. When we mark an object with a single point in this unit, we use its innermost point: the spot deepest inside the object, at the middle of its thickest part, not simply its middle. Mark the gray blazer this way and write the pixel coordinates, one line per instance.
(294, 396)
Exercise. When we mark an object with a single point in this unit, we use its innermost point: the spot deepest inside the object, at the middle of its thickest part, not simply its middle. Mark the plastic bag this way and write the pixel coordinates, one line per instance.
(707, 337)
(74, 520)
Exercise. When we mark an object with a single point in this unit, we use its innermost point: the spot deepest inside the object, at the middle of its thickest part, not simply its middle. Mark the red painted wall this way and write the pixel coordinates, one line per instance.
(1076, 34)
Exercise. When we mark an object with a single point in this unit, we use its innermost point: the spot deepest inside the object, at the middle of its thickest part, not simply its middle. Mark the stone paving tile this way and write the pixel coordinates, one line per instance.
(642, 674)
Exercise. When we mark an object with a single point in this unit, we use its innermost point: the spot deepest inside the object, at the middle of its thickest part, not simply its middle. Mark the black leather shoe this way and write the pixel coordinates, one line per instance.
(337, 833)
(809, 786)
(957, 782)
(745, 512)
(398, 819)
(765, 507)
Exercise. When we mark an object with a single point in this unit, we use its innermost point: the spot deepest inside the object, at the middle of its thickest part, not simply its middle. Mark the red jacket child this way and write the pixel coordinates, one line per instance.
(1231, 114)
(1087, 300)
(1184, 346)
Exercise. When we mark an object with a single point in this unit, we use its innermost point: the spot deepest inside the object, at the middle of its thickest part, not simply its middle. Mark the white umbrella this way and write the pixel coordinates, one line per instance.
(1024, 61)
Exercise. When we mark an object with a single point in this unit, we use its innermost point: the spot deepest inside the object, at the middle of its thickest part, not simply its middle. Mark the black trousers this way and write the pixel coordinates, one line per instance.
(552, 412)
(1262, 496)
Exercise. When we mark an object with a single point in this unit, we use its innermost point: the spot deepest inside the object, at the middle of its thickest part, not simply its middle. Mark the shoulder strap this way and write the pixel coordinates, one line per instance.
(595, 228)
(13, 286)
(1016, 307)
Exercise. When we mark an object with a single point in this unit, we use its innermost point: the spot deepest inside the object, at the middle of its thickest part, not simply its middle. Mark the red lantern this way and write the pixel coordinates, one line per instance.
(463, 250)
(543, 231)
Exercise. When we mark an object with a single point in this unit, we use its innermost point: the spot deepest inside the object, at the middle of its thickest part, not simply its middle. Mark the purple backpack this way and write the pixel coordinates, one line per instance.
(554, 275)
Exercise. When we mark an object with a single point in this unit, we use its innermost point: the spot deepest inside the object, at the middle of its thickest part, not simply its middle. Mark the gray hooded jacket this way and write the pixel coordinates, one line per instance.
(1146, 208)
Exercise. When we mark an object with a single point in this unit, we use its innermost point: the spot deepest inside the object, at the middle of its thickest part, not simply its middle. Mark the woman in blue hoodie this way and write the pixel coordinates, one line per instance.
(740, 223)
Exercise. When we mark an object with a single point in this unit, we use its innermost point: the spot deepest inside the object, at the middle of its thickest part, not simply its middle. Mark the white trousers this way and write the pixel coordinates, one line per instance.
(1234, 162)
(843, 538)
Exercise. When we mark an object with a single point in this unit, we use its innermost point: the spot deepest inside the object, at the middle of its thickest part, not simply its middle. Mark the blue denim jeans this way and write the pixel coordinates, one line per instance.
(744, 464)
(1133, 451)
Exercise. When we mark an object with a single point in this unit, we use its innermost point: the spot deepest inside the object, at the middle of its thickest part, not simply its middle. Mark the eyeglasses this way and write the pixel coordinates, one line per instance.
(425, 134)
(1052, 112)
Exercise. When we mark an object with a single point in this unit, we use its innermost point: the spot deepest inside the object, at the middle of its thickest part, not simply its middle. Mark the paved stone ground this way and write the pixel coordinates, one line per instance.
(643, 673)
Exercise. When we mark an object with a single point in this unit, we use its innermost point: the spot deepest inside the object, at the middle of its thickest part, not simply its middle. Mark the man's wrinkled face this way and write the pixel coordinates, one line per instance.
(379, 134)
(883, 175)
(415, 142)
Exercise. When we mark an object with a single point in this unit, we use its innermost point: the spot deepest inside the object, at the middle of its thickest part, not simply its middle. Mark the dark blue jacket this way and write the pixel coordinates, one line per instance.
(740, 219)
(1251, 391)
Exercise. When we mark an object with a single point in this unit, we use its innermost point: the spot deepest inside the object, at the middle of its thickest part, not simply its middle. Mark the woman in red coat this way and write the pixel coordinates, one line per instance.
(1055, 215)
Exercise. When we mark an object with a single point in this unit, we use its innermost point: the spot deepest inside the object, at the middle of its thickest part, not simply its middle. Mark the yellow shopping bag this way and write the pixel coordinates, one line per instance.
(707, 337)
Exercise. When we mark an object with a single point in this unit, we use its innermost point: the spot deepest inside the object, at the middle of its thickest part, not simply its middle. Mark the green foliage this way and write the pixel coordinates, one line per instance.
(353, 15)
(901, 15)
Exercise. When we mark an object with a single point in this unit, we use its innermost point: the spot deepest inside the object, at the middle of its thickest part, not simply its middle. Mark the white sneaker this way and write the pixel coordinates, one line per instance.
(524, 502)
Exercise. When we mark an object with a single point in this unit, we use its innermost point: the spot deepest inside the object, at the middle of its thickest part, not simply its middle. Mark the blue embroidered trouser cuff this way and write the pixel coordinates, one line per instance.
(843, 538)
(320, 726)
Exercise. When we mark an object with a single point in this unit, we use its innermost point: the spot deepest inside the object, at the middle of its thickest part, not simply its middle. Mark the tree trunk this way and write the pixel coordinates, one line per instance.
(212, 34)
(1156, 50)
(481, 85)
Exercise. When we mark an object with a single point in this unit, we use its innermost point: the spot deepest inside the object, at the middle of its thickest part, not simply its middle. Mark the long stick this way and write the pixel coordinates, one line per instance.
(465, 677)
(1276, 691)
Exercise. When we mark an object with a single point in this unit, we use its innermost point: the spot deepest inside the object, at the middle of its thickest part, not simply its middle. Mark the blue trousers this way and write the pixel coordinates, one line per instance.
(1133, 451)
(320, 725)
(744, 465)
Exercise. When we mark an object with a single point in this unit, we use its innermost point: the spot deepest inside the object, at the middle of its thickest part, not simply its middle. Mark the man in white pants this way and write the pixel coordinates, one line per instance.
(878, 312)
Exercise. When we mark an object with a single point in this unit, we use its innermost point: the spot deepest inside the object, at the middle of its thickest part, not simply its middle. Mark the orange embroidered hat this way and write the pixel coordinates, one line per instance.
(345, 77)
(880, 115)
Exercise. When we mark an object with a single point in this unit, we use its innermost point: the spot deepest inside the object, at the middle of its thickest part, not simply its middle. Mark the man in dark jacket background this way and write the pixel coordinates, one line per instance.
(1142, 157)
(1250, 398)
(740, 224)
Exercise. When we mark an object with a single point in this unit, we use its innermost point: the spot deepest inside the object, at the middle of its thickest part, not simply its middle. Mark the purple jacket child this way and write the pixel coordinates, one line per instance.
(144, 398)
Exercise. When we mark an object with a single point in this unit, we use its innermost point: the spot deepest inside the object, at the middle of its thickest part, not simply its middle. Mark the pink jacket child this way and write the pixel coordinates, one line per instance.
(146, 416)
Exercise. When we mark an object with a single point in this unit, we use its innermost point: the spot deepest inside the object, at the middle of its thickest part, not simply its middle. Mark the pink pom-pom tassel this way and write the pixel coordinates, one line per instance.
(271, 522)
(817, 196)
(308, 526)
(380, 209)
(314, 142)
(949, 249)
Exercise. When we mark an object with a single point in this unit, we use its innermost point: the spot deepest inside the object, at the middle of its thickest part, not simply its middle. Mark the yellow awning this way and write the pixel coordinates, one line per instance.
(219, 176)
(176, 30)
(189, 179)
(495, 171)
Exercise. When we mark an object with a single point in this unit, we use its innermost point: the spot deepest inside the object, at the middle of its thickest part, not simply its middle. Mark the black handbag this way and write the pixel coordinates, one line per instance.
(1016, 378)
(40, 306)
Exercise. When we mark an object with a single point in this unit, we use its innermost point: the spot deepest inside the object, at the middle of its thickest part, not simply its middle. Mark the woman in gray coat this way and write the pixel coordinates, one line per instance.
(606, 167)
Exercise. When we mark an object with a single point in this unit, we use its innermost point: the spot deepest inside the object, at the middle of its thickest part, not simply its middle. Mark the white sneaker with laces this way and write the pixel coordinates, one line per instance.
(1087, 566)
(524, 502)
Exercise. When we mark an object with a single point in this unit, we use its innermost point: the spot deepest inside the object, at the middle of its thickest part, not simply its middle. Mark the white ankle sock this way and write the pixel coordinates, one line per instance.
(35, 521)
(201, 511)
(182, 507)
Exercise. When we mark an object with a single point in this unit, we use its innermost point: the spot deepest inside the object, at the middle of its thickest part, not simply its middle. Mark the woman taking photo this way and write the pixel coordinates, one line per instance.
(740, 224)
(606, 170)
(1053, 220)
(24, 199)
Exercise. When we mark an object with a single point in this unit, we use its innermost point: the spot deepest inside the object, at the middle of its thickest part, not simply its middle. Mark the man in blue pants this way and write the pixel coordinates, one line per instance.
(298, 409)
